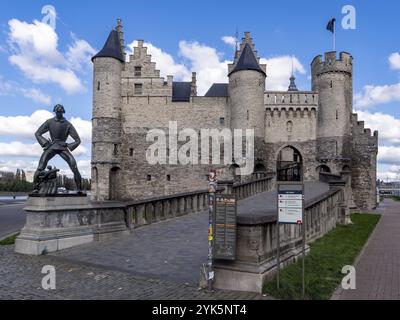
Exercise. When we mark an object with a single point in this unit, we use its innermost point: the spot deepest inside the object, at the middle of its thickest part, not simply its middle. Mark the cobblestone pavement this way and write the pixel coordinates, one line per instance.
(174, 249)
(378, 267)
(20, 278)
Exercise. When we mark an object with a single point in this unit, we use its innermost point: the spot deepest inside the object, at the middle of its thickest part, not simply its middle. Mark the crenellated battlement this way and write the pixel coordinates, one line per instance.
(332, 64)
(290, 112)
(358, 129)
(291, 98)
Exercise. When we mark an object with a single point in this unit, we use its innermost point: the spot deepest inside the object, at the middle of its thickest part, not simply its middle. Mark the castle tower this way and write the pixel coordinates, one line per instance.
(106, 131)
(246, 89)
(332, 79)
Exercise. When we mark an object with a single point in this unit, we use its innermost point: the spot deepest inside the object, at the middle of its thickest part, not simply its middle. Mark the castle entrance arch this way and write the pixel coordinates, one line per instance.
(289, 164)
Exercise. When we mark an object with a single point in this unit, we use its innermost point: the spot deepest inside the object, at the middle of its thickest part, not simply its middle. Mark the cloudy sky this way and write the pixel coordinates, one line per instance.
(43, 63)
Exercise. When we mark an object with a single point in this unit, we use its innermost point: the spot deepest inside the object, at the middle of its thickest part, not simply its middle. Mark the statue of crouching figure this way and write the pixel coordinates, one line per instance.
(47, 181)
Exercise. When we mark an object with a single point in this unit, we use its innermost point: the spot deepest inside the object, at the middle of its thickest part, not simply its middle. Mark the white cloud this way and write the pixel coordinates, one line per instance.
(19, 149)
(79, 54)
(389, 154)
(394, 60)
(387, 125)
(212, 68)
(164, 62)
(279, 70)
(36, 95)
(373, 95)
(385, 175)
(229, 40)
(12, 88)
(36, 54)
(11, 166)
(26, 126)
(206, 62)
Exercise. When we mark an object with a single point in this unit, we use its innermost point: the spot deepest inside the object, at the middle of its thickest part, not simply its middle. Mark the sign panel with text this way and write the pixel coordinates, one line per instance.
(225, 227)
(290, 203)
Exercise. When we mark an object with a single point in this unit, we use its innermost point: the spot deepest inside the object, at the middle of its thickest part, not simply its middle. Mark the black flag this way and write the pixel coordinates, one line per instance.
(331, 25)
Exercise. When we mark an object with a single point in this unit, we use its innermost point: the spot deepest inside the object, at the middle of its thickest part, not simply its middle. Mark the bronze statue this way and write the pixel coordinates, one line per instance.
(60, 129)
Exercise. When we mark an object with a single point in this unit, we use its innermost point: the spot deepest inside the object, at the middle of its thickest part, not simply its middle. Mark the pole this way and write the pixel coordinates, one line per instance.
(278, 251)
(334, 36)
(212, 186)
(303, 244)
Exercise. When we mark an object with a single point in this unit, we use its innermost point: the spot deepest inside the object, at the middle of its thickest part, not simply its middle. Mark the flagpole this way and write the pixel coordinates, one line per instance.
(334, 36)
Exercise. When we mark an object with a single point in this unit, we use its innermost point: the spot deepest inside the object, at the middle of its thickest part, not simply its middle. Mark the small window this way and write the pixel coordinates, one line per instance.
(138, 88)
(222, 120)
(98, 86)
(138, 71)
(289, 126)
(337, 115)
(248, 115)
(149, 177)
(115, 152)
(331, 84)
(131, 152)
(168, 177)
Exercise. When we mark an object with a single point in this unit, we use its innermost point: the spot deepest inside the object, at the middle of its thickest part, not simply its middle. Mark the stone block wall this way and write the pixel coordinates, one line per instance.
(363, 165)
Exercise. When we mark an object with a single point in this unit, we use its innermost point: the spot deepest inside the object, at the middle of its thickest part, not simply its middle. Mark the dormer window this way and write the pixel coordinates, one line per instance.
(138, 71)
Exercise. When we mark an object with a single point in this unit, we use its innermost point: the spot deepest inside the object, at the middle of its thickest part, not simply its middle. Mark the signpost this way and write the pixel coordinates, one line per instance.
(290, 211)
(212, 188)
(225, 227)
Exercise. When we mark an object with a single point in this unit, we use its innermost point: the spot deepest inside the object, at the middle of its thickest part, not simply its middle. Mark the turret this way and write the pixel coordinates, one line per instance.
(106, 137)
(246, 89)
(332, 79)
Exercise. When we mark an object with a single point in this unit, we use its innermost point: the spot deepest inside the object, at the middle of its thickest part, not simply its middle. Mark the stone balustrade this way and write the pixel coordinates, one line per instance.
(147, 211)
(247, 189)
(256, 256)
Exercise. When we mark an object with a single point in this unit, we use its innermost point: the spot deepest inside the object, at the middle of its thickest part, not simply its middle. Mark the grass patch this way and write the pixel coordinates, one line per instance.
(9, 241)
(395, 198)
(324, 262)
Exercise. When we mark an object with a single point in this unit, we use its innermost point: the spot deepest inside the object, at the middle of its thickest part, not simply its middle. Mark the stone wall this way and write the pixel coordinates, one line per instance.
(256, 258)
(363, 165)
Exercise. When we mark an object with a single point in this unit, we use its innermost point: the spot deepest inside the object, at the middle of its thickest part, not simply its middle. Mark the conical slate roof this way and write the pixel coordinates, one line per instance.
(112, 48)
(247, 61)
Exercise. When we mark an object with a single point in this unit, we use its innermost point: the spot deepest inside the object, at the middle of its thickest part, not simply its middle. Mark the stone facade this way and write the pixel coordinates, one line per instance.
(130, 98)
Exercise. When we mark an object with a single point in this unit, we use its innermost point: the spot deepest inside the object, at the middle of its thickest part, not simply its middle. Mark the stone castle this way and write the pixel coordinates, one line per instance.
(297, 133)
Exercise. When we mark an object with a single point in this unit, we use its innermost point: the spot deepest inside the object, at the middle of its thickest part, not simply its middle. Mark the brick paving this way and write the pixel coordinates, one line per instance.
(378, 267)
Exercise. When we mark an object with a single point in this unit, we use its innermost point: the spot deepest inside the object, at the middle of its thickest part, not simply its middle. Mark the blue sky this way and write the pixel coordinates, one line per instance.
(179, 29)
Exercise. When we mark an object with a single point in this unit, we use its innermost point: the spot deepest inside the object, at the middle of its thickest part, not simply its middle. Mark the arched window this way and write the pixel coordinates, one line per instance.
(323, 168)
(289, 165)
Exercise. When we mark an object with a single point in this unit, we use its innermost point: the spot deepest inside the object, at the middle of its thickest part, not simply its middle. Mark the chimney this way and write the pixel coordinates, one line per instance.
(193, 91)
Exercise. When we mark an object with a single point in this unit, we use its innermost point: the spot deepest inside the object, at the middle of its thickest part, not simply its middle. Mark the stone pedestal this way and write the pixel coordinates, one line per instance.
(58, 222)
